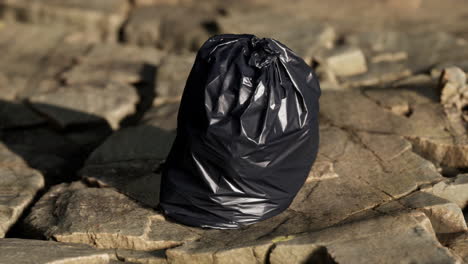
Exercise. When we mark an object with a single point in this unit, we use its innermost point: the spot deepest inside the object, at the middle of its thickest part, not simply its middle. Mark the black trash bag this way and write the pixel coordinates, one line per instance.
(247, 134)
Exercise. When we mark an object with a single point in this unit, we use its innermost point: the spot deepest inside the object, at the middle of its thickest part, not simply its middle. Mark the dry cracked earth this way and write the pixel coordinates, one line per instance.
(89, 93)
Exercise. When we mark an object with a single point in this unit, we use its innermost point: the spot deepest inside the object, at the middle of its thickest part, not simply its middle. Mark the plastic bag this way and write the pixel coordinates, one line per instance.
(247, 134)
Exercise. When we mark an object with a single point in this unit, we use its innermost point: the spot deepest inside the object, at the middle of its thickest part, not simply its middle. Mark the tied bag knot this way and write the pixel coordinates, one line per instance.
(263, 52)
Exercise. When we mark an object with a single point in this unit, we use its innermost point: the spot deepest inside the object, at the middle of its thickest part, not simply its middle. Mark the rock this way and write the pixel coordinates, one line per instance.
(160, 2)
(19, 251)
(453, 189)
(307, 39)
(133, 143)
(6, 93)
(347, 62)
(172, 75)
(389, 57)
(248, 245)
(328, 80)
(402, 238)
(245, 254)
(100, 20)
(437, 70)
(377, 74)
(445, 217)
(176, 28)
(18, 187)
(404, 5)
(33, 69)
(87, 103)
(113, 222)
(129, 161)
(116, 63)
(162, 115)
(321, 170)
(425, 127)
(459, 246)
(454, 98)
(15, 115)
(56, 154)
(395, 55)
(144, 257)
(445, 47)
(365, 175)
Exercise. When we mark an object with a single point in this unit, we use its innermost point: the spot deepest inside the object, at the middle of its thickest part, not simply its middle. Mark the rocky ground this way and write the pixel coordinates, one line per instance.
(89, 92)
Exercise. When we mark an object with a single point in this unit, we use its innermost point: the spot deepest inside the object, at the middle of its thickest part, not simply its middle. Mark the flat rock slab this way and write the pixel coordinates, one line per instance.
(16, 115)
(307, 39)
(30, 69)
(378, 111)
(406, 238)
(162, 115)
(23, 251)
(112, 62)
(100, 20)
(99, 86)
(172, 74)
(18, 186)
(103, 218)
(129, 161)
(170, 27)
(144, 257)
(453, 189)
(459, 246)
(445, 47)
(395, 55)
(445, 216)
(87, 103)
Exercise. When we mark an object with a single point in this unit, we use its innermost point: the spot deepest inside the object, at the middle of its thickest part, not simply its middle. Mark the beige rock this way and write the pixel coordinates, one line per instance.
(18, 186)
(158, 2)
(378, 73)
(404, 4)
(171, 27)
(368, 175)
(27, 69)
(172, 74)
(425, 127)
(328, 80)
(163, 115)
(116, 63)
(390, 239)
(387, 48)
(99, 19)
(453, 189)
(23, 251)
(445, 217)
(307, 40)
(459, 246)
(347, 62)
(143, 257)
(445, 46)
(87, 103)
(321, 170)
(396, 56)
(102, 218)
(454, 97)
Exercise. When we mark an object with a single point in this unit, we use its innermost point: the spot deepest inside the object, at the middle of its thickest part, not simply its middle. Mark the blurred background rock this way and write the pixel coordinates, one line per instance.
(89, 93)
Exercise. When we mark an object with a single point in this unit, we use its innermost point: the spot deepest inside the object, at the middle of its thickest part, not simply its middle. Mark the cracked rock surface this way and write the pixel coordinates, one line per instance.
(71, 213)
(18, 185)
(21, 250)
(89, 97)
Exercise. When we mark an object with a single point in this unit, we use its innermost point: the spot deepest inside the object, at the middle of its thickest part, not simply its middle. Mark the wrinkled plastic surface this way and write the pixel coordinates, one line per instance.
(247, 134)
